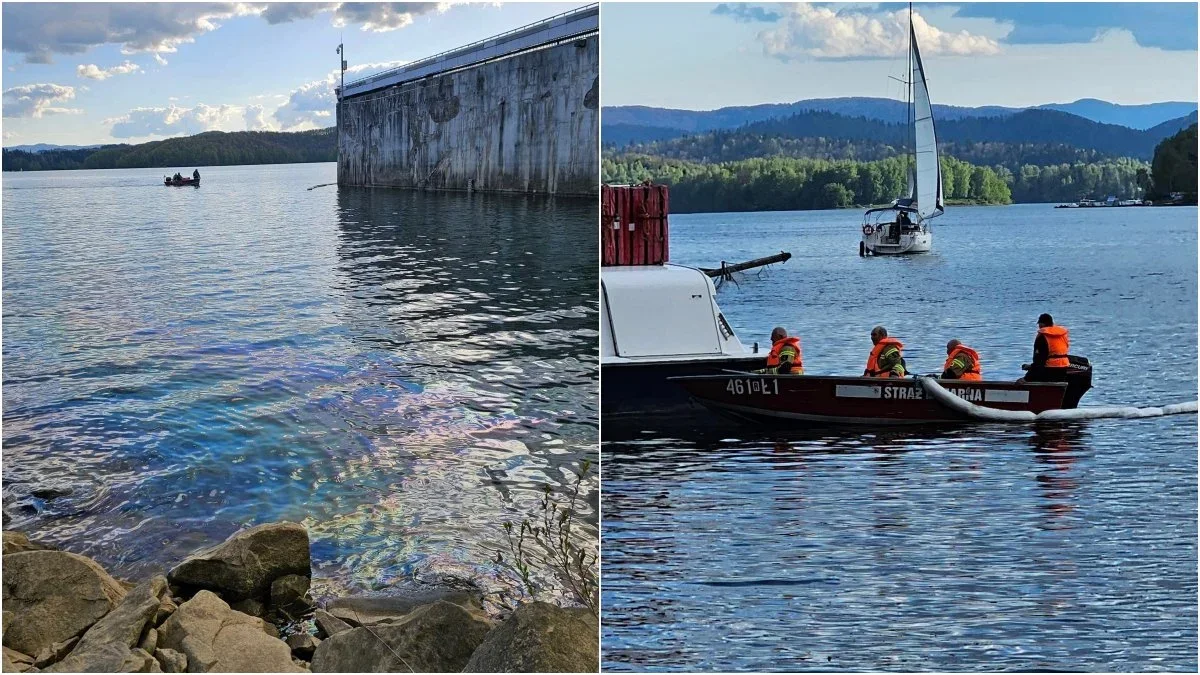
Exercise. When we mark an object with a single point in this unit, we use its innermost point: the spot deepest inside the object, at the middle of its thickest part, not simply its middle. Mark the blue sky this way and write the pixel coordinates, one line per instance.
(78, 74)
(704, 56)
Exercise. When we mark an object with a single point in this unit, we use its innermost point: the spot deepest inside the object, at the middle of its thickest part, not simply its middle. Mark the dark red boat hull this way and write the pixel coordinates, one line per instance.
(185, 181)
(856, 400)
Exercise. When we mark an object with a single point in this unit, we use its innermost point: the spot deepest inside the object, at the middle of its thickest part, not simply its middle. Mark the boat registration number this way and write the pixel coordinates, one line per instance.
(752, 386)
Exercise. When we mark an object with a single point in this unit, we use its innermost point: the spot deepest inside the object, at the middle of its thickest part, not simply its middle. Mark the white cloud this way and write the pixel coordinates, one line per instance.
(806, 31)
(380, 17)
(93, 72)
(256, 119)
(175, 120)
(312, 104)
(284, 12)
(37, 100)
(39, 30)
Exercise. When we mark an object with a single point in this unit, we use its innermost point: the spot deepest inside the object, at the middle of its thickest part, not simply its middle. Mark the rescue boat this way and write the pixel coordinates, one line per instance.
(816, 399)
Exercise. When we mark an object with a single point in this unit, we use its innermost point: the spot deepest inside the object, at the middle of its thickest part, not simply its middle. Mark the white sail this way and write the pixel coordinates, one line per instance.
(929, 170)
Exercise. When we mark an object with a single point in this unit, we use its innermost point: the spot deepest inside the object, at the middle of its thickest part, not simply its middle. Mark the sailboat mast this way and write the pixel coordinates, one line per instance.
(908, 105)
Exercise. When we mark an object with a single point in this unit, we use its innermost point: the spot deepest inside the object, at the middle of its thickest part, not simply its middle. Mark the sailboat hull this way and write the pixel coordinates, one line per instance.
(880, 243)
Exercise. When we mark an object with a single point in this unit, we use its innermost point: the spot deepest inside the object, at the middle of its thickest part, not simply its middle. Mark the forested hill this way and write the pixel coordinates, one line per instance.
(212, 148)
(1030, 136)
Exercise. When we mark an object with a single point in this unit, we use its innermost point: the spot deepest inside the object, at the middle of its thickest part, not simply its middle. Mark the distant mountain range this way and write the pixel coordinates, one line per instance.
(622, 125)
(1036, 136)
(38, 148)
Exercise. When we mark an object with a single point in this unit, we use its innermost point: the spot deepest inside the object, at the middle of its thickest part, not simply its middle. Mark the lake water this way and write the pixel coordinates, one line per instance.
(1059, 547)
(401, 372)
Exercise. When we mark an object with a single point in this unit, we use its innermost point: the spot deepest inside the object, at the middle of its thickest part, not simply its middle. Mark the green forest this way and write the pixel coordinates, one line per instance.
(789, 183)
(212, 148)
(1174, 167)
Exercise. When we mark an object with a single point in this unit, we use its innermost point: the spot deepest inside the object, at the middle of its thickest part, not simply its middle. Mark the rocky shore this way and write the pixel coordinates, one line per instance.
(244, 606)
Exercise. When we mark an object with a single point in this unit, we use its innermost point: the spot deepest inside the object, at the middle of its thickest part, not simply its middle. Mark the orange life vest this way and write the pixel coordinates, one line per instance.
(1059, 345)
(793, 342)
(975, 373)
(873, 360)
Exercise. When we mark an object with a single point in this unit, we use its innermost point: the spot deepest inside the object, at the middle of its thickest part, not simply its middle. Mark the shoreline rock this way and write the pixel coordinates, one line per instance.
(64, 613)
(247, 563)
(54, 596)
(541, 638)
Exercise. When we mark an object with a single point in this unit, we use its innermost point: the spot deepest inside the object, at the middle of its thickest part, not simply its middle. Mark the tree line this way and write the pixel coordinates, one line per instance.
(787, 183)
(1174, 167)
(212, 148)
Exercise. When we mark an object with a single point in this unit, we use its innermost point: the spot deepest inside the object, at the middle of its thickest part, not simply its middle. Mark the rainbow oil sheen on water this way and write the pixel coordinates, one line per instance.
(399, 371)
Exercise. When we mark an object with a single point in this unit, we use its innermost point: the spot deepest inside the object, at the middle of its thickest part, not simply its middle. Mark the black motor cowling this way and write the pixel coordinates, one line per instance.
(1077, 376)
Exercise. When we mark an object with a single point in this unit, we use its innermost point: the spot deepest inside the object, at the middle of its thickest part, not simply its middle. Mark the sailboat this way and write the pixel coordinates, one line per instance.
(903, 227)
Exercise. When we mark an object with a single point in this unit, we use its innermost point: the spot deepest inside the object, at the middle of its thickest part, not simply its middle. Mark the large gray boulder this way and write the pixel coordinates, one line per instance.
(245, 564)
(437, 638)
(109, 644)
(215, 638)
(16, 542)
(541, 638)
(53, 596)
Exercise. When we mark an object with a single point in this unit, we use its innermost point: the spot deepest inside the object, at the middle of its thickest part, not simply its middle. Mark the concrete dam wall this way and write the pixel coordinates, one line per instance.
(528, 122)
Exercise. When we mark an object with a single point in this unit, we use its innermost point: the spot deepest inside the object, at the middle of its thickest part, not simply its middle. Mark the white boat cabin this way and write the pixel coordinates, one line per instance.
(662, 313)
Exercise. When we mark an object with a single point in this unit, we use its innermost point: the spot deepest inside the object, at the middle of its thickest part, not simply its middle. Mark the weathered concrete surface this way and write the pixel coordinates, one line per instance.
(525, 123)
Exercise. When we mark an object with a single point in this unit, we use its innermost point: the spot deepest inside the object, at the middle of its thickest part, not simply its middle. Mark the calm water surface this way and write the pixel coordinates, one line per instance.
(1064, 547)
(400, 372)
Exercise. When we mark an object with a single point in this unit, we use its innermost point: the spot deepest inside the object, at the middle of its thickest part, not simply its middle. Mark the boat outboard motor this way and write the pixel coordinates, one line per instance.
(1079, 380)
(1077, 376)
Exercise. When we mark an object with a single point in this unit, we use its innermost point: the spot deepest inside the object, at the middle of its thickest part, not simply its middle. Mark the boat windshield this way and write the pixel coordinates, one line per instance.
(889, 214)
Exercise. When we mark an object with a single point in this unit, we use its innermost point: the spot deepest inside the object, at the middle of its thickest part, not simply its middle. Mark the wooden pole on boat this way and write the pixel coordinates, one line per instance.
(726, 269)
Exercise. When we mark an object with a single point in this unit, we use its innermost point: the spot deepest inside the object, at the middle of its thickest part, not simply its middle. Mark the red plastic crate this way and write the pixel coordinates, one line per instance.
(633, 224)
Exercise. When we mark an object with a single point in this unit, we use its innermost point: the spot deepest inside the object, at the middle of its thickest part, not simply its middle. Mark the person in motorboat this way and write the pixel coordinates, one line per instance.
(1051, 349)
(887, 357)
(196, 175)
(962, 363)
(785, 357)
(178, 177)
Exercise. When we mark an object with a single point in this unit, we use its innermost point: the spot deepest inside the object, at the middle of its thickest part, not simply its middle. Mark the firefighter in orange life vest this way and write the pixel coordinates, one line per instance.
(785, 357)
(887, 358)
(1050, 349)
(962, 363)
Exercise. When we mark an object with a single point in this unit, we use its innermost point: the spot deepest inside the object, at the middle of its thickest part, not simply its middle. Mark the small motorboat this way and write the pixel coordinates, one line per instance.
(167, 180)
(788, 399)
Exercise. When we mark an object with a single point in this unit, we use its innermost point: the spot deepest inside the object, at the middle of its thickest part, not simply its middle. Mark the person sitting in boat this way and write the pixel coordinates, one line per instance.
(196, 174)
(178, 177)
(785, 357)
(962, 363)
(1050, 349)
(903, 220)
(887, 357)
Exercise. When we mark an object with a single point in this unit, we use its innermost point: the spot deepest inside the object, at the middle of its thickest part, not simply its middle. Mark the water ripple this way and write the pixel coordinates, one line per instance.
(188, 362)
